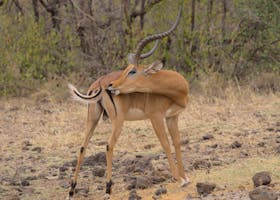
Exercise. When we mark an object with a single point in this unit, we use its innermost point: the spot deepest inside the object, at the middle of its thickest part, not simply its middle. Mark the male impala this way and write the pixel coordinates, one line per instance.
(149, 104)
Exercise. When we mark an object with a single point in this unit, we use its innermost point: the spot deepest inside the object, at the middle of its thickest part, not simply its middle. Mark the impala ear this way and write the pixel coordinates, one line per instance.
(153, 68)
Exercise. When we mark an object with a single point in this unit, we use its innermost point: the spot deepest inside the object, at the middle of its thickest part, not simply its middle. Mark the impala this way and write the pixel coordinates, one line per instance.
(161, 103)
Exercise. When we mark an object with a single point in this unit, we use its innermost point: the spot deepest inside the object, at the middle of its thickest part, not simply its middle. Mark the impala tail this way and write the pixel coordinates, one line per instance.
(91, 96)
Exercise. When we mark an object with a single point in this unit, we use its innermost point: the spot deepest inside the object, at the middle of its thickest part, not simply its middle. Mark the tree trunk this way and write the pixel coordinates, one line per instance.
(224, 19)
(35, 10)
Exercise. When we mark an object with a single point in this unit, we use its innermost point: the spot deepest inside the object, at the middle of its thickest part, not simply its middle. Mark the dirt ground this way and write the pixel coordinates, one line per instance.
(223, 142)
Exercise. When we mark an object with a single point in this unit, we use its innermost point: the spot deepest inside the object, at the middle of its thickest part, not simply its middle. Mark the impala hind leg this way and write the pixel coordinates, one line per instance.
(172, 125)
(116, 130)
(94, 114)
(158, 125)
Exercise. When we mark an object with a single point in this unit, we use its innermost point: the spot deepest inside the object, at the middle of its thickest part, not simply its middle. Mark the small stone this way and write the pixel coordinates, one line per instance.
(235, 145)
(160, 191)
(100, 187)
(37, 149)
(25, 148)
(270, 129)
(138, 182)
(63, 168)
(134, 196)
(203, 189)
(98, 171)
(25, 183)
(261, 178)
(149, 146)
(277, 149)
(185, 141)
(201, 164)
(27, 143)
(207, 137)
(262, 193)
(82, 191)
(214, 146)
(261, 144)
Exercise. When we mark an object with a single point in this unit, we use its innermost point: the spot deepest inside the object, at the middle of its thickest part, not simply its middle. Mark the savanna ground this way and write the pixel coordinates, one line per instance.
(41, 138)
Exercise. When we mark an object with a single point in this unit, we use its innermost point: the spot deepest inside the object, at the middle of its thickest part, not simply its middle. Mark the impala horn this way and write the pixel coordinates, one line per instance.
(134, 57)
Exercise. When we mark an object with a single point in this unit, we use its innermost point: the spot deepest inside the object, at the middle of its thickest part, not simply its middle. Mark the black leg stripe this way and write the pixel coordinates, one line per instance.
(108, 187)
(82, 149)
(73, 184)
(71, 193)
(107, 147)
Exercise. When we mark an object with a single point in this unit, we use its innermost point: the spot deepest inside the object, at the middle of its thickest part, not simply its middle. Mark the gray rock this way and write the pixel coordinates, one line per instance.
(204, 189)
(161, 190)
(261, 178)
(133, 195)
(235, 145)
(262, 193)
(98, 171)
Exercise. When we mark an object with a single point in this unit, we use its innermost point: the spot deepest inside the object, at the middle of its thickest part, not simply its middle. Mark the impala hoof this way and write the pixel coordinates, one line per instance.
(107, 197)
(69, 198)
(185, 182)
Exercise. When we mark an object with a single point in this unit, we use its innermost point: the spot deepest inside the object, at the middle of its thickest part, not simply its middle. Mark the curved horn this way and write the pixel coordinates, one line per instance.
(135, 57)
(146, 55)
(131, 56)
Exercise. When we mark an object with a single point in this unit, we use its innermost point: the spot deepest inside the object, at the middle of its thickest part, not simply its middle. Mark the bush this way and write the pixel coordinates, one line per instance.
(30, 55)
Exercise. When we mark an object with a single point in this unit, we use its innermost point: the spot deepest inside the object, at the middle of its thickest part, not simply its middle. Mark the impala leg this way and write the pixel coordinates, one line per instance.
(172, 125)
(94, 114)
(116, 130)
(158, 125)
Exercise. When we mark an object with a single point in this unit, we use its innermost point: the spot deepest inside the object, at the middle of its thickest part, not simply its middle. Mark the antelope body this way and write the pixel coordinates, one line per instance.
(129, 107)
(136, 93)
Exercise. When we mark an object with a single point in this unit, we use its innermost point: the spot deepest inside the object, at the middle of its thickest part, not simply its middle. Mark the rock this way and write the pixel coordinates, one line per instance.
(277, 149)
(63, 169)
(262, 193)
(25, 183)
(100, 187)
(201, 164)
(161, 190)
(27, 143)
(214, 146)
(138, 182)
(82, 191)
(203, 189)
(261, 178)
(235, 145)
(37, 149)
(149, 146)
(25, 148)
(138, 165)
(97, 159)
(207, 137)
(185, 141)
(98, 171)
(31, 178)
(261, 144)
(133, 195)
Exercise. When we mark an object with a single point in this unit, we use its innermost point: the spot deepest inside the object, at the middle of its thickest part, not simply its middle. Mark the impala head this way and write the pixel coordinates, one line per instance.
(135, 75)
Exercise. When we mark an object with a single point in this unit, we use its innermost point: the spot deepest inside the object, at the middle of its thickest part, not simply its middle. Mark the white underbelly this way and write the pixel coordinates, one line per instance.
(135, 114)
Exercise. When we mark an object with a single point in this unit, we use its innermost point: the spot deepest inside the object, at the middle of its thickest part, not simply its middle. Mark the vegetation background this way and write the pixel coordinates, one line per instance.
(45, 43)
(227, 49)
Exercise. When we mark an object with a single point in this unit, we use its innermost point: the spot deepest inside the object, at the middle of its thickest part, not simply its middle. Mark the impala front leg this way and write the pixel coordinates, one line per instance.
(116, 130)
(94, 113)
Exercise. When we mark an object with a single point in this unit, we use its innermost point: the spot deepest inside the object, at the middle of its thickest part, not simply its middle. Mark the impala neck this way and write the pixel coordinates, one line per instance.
(167, 83)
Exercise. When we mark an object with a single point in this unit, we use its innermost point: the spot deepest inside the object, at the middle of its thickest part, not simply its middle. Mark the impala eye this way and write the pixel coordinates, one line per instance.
(133, 71)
